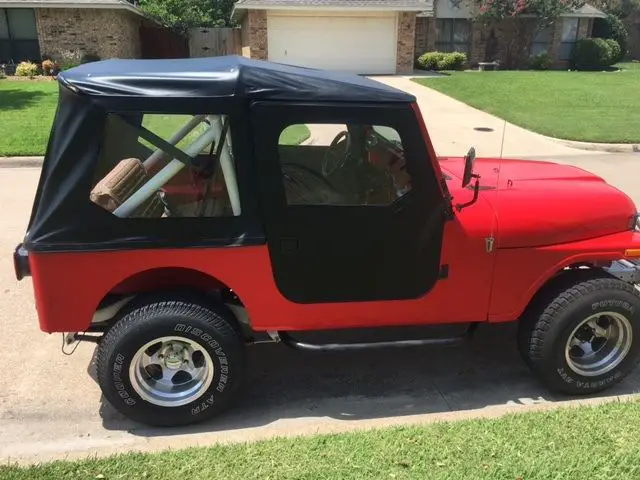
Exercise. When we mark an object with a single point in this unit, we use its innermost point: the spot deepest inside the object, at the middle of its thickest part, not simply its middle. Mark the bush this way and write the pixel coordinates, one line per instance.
(540, 61)
(49, 67)
(453, 61)
(590, 53)
(27, 69)
(442, 61)
(615, 50)
(612, 27)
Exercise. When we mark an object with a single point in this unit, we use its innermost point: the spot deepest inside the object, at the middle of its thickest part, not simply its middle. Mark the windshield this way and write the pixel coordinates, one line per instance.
(389, 134)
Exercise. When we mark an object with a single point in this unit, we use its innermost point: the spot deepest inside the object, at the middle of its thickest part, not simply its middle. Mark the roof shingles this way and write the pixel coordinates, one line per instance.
(70, 3)
(411, 5)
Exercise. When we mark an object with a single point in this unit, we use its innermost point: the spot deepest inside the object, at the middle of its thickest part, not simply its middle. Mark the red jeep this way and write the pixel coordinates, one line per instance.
(189, 208)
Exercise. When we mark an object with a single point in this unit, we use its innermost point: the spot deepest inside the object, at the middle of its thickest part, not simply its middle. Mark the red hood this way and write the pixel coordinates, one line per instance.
(544, 203)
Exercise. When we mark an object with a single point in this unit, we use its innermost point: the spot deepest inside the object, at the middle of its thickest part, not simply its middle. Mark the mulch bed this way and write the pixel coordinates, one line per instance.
(38, 78)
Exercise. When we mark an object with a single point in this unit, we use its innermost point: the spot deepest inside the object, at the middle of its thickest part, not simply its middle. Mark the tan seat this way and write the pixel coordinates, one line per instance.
(120, 183)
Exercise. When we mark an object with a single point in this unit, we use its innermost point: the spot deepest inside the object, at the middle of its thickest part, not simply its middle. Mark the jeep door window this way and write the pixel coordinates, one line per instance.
(342, 164)
(163, 166)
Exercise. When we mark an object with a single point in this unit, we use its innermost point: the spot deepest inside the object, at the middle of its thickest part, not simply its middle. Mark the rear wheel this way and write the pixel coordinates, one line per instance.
(585, 337)
(171, 361)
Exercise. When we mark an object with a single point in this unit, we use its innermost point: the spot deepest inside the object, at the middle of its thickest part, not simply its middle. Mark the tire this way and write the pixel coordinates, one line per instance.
(585, 337)
(201, 352)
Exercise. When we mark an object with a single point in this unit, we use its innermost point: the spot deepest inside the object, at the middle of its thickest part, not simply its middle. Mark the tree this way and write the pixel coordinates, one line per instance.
(546, 11)
(618, 8)
(613, 28)
(181, 15)
(518, 27)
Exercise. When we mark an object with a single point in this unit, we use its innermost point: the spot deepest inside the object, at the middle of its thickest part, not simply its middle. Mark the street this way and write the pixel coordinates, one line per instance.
(50, 406)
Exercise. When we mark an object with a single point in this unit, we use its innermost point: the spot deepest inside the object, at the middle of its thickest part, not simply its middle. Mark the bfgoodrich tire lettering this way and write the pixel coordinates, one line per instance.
(547, 341)
(185, 321)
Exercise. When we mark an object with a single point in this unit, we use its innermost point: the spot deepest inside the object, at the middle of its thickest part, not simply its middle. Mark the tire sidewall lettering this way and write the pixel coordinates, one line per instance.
(219, 353)
(584, 383)
(613, 303)
(222, 371)
(119, 365)
(568, 376)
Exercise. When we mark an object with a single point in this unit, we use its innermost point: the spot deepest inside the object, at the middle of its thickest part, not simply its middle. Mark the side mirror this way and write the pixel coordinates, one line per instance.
(467, 176)
(469, 160)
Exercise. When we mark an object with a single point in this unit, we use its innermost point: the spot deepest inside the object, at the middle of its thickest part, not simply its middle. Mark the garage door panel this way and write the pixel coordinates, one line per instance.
(357, 44)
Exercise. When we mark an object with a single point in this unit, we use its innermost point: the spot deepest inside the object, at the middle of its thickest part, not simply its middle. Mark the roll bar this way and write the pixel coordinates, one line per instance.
(213, 132)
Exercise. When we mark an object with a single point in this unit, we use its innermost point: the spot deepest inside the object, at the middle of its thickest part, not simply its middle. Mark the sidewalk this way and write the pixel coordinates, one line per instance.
(455, 126)
(14, 162)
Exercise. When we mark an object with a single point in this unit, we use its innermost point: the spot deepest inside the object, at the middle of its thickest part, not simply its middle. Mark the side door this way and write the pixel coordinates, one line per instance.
(349, 199)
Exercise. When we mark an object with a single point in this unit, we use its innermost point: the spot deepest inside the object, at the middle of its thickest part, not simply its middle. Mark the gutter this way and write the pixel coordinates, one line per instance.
(120, 5)
(237, 12)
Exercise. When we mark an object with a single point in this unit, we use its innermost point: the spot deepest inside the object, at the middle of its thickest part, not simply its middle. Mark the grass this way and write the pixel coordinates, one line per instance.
(26, 114)
(294, 135)
(27, 110)
(599, 443)
(584, 106)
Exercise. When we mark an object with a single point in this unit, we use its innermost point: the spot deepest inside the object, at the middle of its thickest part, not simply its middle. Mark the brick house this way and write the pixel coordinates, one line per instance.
(30, 29)
(385, 36)
(451, 29)
(364, 36)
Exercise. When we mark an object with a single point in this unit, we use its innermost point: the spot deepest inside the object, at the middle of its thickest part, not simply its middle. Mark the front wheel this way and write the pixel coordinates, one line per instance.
(171, 361)
(586, 338)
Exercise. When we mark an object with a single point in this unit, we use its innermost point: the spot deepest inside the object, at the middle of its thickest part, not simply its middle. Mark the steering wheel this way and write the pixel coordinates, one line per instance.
(332, 160)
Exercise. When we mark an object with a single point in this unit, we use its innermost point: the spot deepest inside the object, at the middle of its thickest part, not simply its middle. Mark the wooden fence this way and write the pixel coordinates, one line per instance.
(213, 42)
(158, 42)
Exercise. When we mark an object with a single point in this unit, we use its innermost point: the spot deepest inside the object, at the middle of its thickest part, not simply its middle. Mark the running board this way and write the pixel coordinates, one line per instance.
(289, 341)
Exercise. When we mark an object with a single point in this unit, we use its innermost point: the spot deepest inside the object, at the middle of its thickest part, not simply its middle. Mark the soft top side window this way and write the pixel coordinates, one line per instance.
(166, 166)
(342, 164)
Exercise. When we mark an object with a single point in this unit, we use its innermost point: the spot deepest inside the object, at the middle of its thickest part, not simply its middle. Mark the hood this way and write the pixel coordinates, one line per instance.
(544, 203)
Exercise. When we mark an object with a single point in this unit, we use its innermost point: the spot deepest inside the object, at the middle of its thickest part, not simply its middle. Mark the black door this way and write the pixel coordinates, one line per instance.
(349, 200)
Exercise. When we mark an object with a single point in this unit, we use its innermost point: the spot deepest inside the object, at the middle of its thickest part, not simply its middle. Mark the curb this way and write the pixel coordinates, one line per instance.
(17, 162)
(601, 147)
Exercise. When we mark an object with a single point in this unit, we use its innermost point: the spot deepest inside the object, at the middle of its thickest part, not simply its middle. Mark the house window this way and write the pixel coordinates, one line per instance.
(453, 35)
(18, 35)
(542, 40)
(570, 27)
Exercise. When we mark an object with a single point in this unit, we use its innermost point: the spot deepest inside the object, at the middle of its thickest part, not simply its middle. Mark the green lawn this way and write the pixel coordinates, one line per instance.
(27, 110)
(598, 443)
(26, 113)
(584, 106)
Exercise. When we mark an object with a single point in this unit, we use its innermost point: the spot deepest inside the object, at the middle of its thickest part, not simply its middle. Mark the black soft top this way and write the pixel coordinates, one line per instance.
(227, 76)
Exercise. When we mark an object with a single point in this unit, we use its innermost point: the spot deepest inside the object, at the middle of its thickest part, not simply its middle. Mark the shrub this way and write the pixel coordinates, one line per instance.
(429, 60)
(590, 53)
(612, 27)
(540, 61)
(453, 61)
(615, 50)
(27, 69)
(49, 67)
(442, 61)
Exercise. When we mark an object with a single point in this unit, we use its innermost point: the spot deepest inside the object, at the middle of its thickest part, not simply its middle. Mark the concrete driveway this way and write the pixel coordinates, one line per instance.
(454, 126)
(50, 407)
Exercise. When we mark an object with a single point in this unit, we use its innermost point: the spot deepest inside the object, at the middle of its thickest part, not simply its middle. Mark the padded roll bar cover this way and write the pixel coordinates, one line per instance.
(120, 183)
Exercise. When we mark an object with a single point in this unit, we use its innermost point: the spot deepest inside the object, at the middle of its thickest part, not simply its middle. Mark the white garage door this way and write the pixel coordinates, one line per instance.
(360, 44)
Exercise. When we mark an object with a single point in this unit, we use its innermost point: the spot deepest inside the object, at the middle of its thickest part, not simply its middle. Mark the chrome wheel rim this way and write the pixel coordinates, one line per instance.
(599, 344)
(171, 371)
